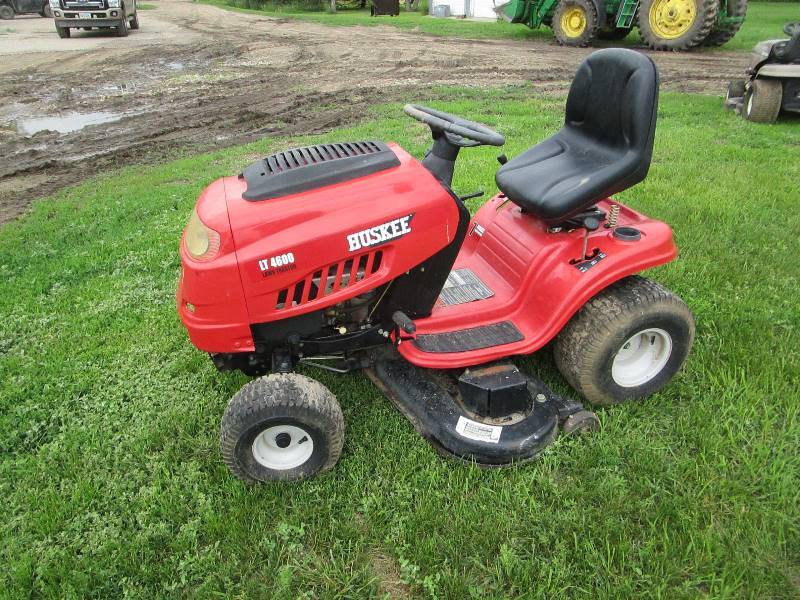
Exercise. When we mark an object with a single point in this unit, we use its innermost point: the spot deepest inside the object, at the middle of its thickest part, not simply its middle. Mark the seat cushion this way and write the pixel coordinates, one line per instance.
(562, 175)
(604, 147)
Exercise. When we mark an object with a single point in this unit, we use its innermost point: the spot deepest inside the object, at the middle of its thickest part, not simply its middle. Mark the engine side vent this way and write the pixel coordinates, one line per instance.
(332, 278)
(302, 169)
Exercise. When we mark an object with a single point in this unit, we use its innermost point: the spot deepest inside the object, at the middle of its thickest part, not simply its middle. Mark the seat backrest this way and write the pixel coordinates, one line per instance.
(613, 101)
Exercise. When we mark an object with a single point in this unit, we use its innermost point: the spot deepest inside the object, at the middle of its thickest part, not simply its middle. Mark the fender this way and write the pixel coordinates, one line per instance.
(536, 281)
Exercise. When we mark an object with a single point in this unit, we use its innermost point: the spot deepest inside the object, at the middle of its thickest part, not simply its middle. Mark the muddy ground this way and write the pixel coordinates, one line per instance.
(195, 77)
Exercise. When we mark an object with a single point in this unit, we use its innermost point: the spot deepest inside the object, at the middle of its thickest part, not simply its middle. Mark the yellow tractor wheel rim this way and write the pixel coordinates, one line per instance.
(670, 19)
(573, 22)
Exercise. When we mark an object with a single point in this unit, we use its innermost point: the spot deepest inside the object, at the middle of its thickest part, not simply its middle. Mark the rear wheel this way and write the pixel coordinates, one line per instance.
(676, 24)
(281, 427)
(135, 21)
(575, 22)
(625, 343)
(724, 32)
(6, 12)
(762, 101)
(63, 32)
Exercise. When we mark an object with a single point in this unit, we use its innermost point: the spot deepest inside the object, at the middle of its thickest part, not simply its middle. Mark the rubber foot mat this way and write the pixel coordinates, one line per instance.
(463, 286)
(465, 340)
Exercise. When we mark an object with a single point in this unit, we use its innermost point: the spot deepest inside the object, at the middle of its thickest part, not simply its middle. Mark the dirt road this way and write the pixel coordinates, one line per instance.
(196, 77)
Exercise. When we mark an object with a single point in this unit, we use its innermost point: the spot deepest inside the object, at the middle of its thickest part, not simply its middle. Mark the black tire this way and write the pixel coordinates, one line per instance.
(613, 33)
(735, 89)
(6, 12)
(63, 32)
(587, 348)
(122, 28)
(564, 36)
(272, 405)
(47, 12)
(723, 33)
(701, 25)
(135, 21)
(762, 101)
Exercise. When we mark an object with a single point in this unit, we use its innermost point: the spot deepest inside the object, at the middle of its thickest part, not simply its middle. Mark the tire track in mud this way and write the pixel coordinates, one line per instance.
(229, 78)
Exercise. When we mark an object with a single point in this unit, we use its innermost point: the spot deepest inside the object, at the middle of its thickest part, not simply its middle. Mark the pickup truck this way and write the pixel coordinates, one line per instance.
(119, 15)
(11, 8)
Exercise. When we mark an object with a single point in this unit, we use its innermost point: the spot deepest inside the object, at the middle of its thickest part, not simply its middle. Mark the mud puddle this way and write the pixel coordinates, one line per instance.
(65, 123)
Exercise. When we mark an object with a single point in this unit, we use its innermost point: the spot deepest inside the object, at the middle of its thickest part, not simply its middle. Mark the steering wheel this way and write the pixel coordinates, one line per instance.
(792, 29)
(459, 132)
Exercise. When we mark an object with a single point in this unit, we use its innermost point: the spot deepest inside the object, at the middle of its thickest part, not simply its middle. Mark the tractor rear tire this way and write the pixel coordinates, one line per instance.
(676, 24)
(762, 101)
(626, 343)
(613, 33)
(282, 427)
(723, 33)
(575, 22)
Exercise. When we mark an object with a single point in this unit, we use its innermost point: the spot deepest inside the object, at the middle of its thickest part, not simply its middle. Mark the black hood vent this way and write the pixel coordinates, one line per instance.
(302, 169)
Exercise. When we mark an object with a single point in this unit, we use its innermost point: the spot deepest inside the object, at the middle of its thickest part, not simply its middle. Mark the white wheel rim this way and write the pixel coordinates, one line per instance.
(283, 447)
(750, 104)
(641, 357)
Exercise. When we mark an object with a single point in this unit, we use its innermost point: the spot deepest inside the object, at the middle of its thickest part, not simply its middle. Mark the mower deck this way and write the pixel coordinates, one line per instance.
(431, 401)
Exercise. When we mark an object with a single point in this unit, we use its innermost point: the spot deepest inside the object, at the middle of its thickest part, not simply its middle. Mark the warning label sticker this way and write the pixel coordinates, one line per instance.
(478, 431)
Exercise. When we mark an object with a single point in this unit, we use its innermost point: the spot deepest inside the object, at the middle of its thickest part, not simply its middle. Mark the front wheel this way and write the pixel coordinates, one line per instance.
(122, 28)
(135, 21)
(63, 32)
(626, 343)
(575, 22)
(283, 426)
(676, 24)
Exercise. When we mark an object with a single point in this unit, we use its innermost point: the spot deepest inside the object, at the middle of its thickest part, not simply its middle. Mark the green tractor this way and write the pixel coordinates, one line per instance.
(663, 24)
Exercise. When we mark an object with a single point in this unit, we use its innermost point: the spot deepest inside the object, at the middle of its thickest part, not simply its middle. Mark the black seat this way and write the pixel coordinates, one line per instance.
(604, 147)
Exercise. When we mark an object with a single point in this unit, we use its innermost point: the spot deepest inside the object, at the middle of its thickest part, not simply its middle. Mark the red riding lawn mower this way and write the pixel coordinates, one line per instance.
(357, 255)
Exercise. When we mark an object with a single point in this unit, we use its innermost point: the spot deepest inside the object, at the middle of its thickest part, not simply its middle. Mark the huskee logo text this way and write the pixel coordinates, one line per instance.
(380, 234)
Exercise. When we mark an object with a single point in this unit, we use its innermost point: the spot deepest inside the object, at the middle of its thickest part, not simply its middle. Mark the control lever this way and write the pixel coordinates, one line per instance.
(477, 194)
(502, 159)
(404, 322)
(589, 224)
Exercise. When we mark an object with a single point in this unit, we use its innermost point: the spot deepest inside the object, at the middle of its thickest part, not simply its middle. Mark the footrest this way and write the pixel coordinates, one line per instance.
(465, 340)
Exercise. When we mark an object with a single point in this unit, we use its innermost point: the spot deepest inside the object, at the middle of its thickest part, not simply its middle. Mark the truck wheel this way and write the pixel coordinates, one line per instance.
(135, 21)
(625, 343)
(724, 32)
(6, 12)
(676, 24)
(281, 427)
(63, 32)
(575, 22)
(762, 101)
(613, 33)
(122, 28)
(46, 11)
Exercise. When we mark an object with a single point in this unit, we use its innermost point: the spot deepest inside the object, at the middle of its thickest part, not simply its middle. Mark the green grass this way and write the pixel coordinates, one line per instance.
(146, 6)
(112, 482)
(764, 21)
